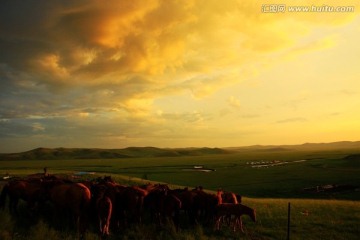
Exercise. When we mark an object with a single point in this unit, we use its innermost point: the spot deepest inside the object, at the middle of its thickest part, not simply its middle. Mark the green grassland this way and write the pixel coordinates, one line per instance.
(310, 219)
(269, 189)
(235, 170)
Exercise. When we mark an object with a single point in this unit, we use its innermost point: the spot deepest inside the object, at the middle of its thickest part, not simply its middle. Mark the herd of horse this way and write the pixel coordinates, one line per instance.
(110, 205)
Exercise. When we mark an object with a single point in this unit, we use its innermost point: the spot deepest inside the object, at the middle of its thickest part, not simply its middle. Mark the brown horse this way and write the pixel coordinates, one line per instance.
(27, 190)
(101, 206)
(110, 190)
(204, 206)
(104, 211)
(230, 197)
(163, 205)
(155, 187)
(236, 210)
(187, 202)
(154, 203)
(171, 209)
(73, 198)
(129, 202)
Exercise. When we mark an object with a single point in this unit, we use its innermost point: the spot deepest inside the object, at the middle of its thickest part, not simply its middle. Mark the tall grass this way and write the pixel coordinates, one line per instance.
(310, 219)
(6, 226)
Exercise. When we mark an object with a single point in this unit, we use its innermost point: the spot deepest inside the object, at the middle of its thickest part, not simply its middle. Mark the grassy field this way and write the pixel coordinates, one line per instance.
(310, 219)
(238, 172)
(281, 179)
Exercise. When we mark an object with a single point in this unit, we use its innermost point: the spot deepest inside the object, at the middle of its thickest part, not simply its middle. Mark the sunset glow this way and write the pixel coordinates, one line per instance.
(169, 73)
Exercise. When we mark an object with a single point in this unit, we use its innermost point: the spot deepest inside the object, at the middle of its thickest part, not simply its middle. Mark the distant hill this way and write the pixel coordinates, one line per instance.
(305, 146)
(94, 153)
(333, 145)
(137, 152)
(353, 160)
(353, 157)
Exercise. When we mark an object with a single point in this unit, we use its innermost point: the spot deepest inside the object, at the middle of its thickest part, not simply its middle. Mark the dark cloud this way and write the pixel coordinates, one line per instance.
(73, 71)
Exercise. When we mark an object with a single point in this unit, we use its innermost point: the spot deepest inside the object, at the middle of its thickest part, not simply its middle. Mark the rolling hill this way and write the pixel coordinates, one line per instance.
(94, 153)
(138, 152)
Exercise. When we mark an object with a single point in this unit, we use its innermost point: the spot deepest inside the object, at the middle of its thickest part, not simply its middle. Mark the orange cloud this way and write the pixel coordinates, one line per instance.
(113, 60)
(96, 43)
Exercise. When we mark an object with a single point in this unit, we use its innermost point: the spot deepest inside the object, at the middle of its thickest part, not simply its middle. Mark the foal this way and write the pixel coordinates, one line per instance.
(236, 210)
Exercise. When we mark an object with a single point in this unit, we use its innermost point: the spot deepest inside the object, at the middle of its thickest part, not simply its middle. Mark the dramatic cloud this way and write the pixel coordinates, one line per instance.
(92, 66)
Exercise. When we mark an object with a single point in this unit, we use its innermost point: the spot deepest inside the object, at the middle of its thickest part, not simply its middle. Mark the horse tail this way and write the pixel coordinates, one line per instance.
(85, 204)
(104, 211)
(3, 195)
(85, 200)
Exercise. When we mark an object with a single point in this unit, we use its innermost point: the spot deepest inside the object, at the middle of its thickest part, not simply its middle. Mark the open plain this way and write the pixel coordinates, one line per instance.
(321, 182)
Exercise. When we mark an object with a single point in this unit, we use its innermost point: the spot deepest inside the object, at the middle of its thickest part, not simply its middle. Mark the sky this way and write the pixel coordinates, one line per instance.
(174, 73)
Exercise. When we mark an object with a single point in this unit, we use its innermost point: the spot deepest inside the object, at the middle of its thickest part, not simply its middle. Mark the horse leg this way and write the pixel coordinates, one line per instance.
(80, 226)
(4, 193)
(32, 208)
(107, 224)
(192, 217)
(240, 224)
(176, 219)
(100, 226)
(158, 218)
(217, 223)
(104, 224)
(13, 203)
(235, 223)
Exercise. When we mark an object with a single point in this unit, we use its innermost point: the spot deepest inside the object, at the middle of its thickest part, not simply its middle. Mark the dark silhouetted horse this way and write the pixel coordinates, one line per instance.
(129, 202)
(163, 205)
(204, 206)
(236, 210)
(104, 212)
(230, 197)
(27, 190)
(73, 198)
(187, 202)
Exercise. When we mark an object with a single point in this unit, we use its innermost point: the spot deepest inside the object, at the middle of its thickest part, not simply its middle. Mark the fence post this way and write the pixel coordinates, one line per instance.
(288, 226)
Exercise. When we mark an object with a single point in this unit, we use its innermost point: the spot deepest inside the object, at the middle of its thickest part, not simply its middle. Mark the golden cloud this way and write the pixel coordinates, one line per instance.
(143, 49)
